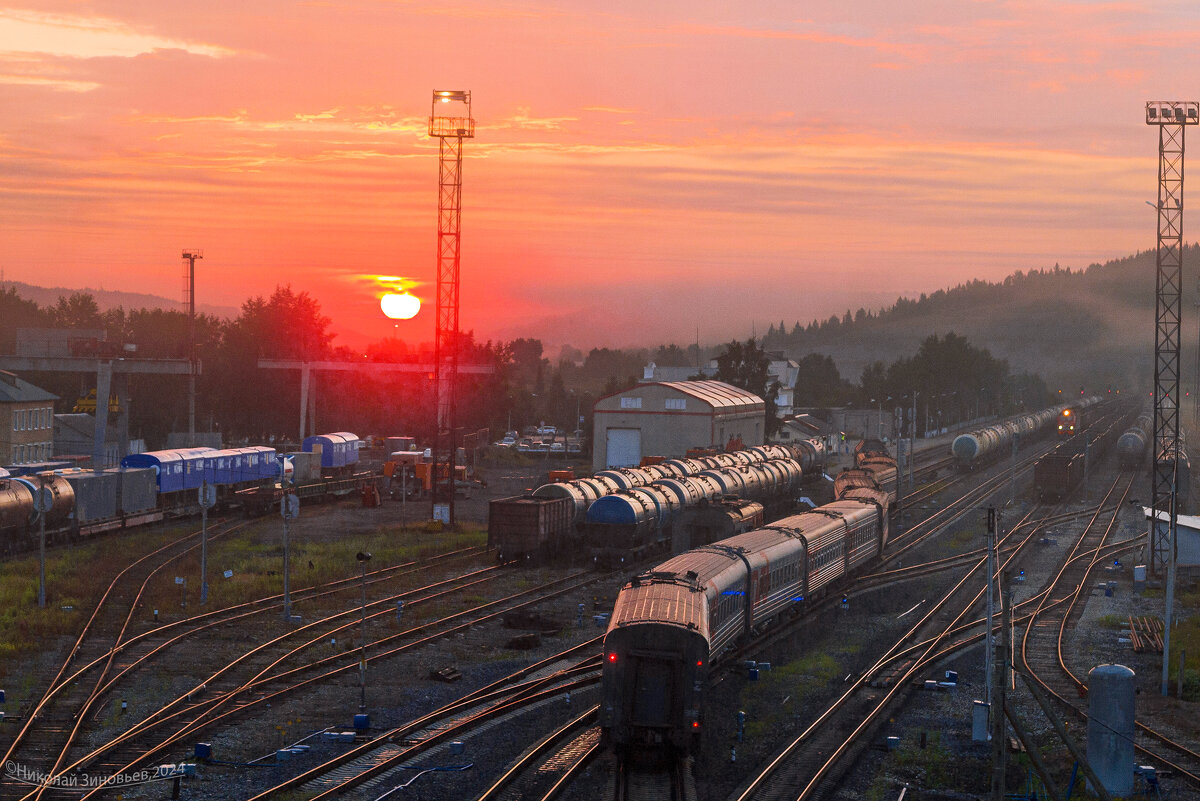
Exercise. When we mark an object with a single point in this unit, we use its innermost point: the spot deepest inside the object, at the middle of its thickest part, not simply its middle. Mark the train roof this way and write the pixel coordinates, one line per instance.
(661, 603)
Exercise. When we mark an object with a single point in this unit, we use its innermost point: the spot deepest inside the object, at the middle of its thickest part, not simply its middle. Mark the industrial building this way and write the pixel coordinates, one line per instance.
(75, 435)
(864, 423)
(804, 427)
(781, 369)
(26, 421)
(667, 418)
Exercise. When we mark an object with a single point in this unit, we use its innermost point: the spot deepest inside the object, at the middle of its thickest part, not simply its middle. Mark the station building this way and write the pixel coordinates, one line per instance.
(26, 421)
(667, 418)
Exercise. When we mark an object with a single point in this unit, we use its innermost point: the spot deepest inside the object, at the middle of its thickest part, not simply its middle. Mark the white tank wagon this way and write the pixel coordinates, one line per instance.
(804, 459)
(983, 443)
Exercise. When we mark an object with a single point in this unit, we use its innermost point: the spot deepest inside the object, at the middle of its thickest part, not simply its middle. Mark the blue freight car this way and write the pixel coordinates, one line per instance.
(337, 450)
(176, 470)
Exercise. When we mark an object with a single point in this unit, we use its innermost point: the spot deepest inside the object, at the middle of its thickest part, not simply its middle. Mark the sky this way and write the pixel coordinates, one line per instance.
(641, 172)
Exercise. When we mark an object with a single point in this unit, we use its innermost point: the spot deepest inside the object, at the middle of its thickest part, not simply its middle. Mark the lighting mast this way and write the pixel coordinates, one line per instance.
(451, 122)
(189, 293)
(1172, 119)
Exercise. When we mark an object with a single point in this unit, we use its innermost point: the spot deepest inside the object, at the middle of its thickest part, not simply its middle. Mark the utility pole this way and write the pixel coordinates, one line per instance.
(999, 694)
(989, 643)
(43, 507)
(189, 288)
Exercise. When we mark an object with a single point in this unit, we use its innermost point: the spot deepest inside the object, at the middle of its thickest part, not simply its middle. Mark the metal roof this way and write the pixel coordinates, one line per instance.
(15, 390)
(718, 394)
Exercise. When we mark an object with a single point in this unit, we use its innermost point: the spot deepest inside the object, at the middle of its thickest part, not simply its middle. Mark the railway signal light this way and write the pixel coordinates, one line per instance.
(612, 657)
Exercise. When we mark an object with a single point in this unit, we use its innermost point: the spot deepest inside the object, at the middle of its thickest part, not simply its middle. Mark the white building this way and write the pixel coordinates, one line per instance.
(667, 418)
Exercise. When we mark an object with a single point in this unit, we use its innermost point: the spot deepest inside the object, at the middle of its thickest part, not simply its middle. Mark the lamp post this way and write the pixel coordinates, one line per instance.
(363, 558)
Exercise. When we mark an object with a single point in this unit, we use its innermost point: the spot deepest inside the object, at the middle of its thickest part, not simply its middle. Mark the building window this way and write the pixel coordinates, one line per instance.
(676, 404)
(631, 403)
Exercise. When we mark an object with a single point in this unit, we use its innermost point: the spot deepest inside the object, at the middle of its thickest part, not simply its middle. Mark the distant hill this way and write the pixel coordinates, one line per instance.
(107, 299)
(1092, 327)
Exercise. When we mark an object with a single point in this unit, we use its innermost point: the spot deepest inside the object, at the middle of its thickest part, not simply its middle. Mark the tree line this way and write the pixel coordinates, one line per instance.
(246, 403)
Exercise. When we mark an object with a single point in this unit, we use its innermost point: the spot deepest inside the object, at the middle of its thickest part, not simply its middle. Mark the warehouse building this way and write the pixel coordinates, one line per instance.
(667, 418)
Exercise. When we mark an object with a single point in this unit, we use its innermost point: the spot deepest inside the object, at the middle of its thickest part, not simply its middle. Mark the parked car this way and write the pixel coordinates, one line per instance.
(547, 430)
(557, 447)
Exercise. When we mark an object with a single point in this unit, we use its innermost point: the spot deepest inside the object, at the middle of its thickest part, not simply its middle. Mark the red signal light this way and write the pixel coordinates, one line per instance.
(699, 663)
(695, 724)
(612, 657)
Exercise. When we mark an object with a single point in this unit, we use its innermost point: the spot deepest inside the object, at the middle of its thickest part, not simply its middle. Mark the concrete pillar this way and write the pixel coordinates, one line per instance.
(304, 376)
(103, 389)
(121, 389)
(1111, 727)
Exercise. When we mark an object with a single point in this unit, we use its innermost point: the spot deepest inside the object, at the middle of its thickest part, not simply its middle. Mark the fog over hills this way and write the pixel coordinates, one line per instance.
(1092, 327)
(110, 299)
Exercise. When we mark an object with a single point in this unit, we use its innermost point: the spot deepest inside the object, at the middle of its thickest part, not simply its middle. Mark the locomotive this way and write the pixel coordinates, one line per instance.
(1059, 471)
(670, 624)
(1070, 421)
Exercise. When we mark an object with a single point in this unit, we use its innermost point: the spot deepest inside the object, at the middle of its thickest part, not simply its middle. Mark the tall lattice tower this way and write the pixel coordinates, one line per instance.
(1172, 119)
(451, 122)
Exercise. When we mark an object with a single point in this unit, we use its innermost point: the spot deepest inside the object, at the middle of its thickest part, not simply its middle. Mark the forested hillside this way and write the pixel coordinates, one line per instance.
(1093, 326)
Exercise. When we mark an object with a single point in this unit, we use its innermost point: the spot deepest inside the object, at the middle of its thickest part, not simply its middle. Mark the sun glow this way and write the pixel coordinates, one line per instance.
(400, 306)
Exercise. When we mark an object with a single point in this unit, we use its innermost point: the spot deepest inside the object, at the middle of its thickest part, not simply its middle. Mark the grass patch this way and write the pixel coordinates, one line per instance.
(76, 577)
(1112, 621)
(763, 701)
(968, 538)
(934, 763)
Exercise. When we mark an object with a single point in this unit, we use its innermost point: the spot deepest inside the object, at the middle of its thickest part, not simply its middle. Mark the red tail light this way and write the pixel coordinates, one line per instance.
(612, 657)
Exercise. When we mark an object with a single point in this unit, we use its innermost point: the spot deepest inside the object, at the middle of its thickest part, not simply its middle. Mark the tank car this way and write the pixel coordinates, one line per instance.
(23, 490)
(717, 519)
(977, 446)
(1131, 447)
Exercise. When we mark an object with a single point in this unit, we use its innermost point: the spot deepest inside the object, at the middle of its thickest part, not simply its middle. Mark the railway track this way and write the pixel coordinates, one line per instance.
(1042, 654)
(838, 735)
(226, 696)
(53, 723)
(377, 762)
(104, 673)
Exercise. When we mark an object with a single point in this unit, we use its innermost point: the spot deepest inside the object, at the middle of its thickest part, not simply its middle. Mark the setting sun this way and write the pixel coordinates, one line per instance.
(400, 307)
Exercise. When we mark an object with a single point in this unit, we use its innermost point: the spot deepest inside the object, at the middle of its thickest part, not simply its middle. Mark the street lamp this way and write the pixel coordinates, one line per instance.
(363, 558)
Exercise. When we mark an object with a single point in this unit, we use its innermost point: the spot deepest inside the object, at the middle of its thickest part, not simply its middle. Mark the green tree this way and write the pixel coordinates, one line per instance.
(747, 365)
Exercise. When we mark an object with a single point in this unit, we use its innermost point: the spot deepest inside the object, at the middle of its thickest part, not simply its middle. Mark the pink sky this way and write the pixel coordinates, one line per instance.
(642, 173)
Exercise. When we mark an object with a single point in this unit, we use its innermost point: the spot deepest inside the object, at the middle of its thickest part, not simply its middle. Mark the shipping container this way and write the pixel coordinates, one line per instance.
(96, 494)
(138, 490)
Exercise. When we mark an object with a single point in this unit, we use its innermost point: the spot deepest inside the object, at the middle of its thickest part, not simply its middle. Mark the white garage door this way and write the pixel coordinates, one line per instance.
(624, 447)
